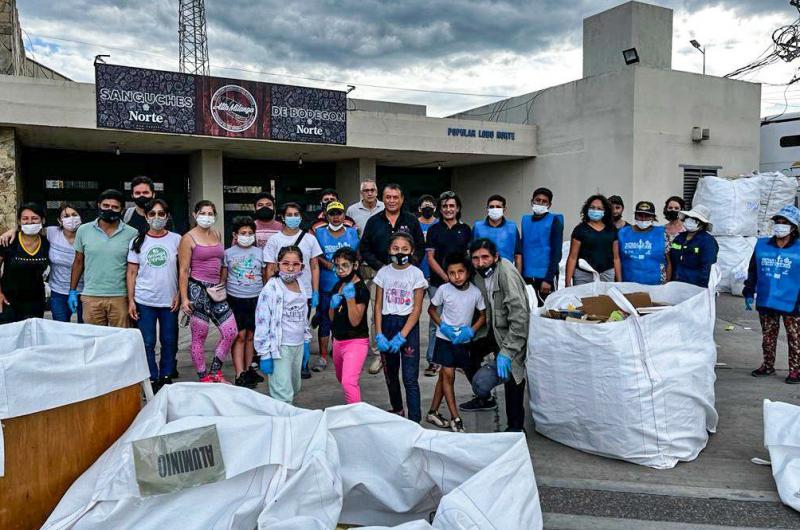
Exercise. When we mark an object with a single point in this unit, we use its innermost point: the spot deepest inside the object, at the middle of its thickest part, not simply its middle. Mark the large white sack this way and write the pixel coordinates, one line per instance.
(782, 440)
(46, 364)
(280, 463)
(777, 191)
(733, 203)
(640, 390)
(394, 472)
(734, 260)
(562, 265)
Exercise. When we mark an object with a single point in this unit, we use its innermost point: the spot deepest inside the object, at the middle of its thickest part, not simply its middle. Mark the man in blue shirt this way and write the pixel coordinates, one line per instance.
(542, 234)
(499, 230)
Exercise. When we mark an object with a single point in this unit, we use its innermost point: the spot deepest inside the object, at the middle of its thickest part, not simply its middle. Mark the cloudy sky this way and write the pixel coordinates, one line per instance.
(487, 48)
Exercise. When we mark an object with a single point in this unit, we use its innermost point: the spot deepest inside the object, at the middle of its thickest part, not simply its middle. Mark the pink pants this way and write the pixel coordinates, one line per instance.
(348, 360)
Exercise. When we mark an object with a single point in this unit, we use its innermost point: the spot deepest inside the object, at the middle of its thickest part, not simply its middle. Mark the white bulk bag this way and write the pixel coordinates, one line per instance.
(640, 390)
(394, 472)
(280, 463)
(777, 191)
(733, 203)
(782, 440)
(734, 260)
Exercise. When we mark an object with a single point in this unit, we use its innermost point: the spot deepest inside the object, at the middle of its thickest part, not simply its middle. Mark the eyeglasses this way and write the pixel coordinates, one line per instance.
(369, 190)
(157, 214)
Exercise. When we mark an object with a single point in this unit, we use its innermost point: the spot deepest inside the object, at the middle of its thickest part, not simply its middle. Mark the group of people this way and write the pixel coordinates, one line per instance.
(359, 275)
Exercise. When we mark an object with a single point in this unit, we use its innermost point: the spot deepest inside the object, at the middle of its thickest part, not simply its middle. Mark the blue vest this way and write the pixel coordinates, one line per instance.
(778, 275)
(504, 236)
(642, 254)
(536, 249)
(329, 245)
(424, 267)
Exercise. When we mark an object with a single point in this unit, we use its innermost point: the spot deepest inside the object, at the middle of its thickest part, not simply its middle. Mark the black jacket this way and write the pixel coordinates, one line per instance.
(374, 246)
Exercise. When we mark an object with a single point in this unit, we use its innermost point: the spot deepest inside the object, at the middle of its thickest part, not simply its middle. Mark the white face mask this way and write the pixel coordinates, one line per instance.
(205, 221)
(335, 228)
(32, 229)
(246, 241)
(781, 231)
(644, 225)
(691, 225)
(540, 209)
(71, 223)
(495, 213)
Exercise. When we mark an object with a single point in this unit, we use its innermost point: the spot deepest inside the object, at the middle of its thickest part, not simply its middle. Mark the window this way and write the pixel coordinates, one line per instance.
(690, 177)
(790, 141)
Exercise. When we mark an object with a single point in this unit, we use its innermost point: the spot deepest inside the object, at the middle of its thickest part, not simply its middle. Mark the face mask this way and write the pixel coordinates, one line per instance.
(779, 231)
(71, 223)
(245, 241)
(289, 277)
(349, 276)
(157, 223)
(110, 216)
(671, 215)
(335, 228)
(540, 209)
(265, 213)
(616, 216)
(427, 212)
(205, 221)
(691, 225)
(485, 272)
(495, 213)
(644, 225)
(293, 222)
(400, 258)
(596, 215)
(32, 229)
(142, 201)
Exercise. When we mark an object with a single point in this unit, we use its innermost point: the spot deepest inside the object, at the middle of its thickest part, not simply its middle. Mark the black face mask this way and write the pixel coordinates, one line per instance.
(349, 277)
(671, 215)
(109, 216)
(485, 272)
(400, 258)
(617, 216)
(427, 212)
(142, 201)
(265, 213)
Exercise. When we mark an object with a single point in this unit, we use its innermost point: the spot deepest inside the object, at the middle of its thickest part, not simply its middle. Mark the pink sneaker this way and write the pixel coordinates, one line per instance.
(207, 379)
(219, 378)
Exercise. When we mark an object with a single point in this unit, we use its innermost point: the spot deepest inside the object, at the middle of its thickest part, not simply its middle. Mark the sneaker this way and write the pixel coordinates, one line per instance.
(320, 365)
(437, 419)
(241, 380)
(516, 429)
(305, 373)
(166, 380)
(219, 378)
(477, 404)
(431, 370)
(793, 378)
(207, 378)
(376, 365)
(456, 425)
(253, 375)
(400, 412)
(155, 385)
(762, 371)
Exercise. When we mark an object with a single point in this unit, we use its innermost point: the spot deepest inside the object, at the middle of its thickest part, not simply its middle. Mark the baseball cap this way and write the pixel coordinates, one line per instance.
(334, 205)
(645, 207)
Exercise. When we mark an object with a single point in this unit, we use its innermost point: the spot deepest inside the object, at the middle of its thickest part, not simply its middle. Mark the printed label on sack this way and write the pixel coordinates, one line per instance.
(176, 461)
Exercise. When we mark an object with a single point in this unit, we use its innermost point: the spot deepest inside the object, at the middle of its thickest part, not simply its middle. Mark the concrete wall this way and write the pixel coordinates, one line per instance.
(370, 105)
(475, 184)
(349, 174)
(205, 182)
(12, 52)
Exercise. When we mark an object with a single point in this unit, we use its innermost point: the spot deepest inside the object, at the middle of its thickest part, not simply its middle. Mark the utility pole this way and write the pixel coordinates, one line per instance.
(701, 49)
(192, 39)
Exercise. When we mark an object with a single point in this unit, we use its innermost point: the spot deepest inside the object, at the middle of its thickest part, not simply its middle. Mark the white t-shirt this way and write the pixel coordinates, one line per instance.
(157, 280)
(458, 307)
(398, 288)
(245, 267)
(294, 318)
(309, 246)
(61, 255)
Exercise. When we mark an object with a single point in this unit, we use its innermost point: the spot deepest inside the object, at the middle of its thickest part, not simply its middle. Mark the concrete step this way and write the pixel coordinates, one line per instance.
(560, 521)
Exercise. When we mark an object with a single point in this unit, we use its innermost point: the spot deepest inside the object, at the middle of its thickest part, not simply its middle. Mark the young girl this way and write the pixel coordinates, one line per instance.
(457, 302)
(400, 287)
(200, 256)
(282, 325)
(348, 314)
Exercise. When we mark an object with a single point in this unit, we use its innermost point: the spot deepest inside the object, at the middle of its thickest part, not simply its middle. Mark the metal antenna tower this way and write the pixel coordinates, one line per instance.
(192, 39)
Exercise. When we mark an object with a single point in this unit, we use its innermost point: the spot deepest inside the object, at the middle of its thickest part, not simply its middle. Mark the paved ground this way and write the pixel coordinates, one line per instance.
(720, 489)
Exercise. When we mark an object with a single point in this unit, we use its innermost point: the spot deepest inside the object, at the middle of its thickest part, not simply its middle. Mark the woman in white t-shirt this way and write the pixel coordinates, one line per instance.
(153, 299)
(400, 287)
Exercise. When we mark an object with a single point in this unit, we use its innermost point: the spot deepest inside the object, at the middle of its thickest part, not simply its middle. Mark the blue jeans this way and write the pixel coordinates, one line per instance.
(431, 328)
(60, 309)
(407, 361)
(168, 330)
(486, 379)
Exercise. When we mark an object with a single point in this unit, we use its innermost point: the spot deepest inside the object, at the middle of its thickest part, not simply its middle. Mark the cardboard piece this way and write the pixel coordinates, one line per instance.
(602, 306)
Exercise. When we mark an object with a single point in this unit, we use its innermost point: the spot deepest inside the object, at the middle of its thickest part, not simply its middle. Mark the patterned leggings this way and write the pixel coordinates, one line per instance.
(205, 310)
(770, 324)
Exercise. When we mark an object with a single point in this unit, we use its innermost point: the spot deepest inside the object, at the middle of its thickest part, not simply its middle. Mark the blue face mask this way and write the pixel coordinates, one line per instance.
(596, 215)
(293, 222)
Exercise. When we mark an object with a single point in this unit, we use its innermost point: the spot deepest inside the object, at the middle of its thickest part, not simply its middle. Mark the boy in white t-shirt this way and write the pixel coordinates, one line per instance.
(400, 287)
(456, 302)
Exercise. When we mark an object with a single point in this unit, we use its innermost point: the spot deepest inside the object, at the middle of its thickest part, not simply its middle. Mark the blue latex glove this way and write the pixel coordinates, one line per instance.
(336, 301)
(306, 353)
(503, 366)
(465, 336)
(396, 343)
(748, 304)
(448, 331)
(382, 342)
(72, 300)
(266, 365)
(349, 291)
(314, 299)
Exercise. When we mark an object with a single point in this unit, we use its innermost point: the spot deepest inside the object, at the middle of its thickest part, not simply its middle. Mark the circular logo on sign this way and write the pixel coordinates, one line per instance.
(233, 108)
(157, 257)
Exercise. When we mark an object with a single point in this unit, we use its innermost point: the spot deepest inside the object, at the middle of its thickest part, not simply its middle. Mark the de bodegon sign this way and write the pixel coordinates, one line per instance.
(171, 102)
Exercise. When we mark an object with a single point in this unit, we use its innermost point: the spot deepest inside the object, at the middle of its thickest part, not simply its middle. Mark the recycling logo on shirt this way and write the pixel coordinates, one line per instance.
(157, 257)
